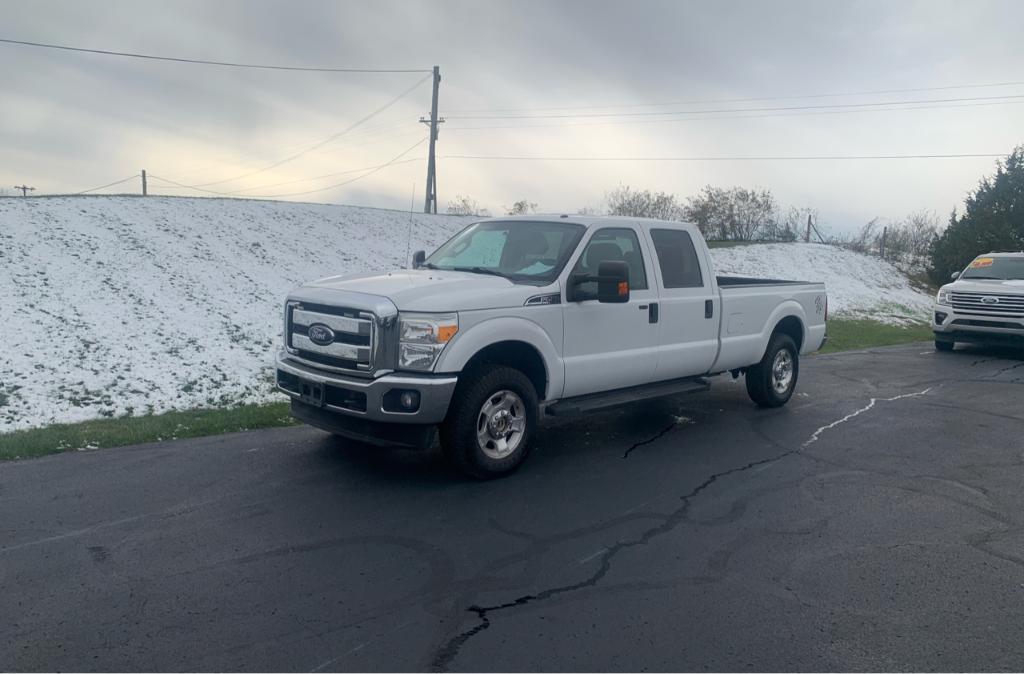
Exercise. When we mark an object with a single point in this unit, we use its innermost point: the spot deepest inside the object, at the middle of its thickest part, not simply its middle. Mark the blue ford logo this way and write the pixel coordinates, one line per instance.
(320, 334)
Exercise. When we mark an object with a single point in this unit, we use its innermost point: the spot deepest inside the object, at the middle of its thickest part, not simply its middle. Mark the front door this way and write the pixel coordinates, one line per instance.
(609, 346)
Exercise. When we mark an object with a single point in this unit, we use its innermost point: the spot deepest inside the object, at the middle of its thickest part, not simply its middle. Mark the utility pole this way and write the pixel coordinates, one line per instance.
(25, 189)
(144, 193)
(807, 239)
(430, 202)
(885, 232)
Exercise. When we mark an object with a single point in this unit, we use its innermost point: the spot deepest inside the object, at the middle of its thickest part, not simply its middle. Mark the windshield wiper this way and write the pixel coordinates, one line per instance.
(480, 270)
(428, 265)
(984, 278)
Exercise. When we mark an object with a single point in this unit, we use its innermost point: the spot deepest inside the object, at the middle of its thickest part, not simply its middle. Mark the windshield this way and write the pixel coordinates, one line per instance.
(525, 252)
(991, 267)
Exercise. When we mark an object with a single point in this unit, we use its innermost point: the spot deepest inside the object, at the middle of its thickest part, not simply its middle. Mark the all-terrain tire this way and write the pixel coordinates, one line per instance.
(490, 422)
(944, 344)
(772, 381)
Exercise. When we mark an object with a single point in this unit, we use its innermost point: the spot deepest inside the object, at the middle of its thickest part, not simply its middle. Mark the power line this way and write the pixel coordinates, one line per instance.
(226, 64)
(323, 142)
(732, 116)
(727, 110)
(370, 170)
(767, 158)
(102, 187)
(876, 92)
(306, 180)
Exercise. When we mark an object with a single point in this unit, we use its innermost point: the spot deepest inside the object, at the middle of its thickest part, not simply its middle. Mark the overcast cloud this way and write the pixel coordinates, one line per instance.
(72, 121)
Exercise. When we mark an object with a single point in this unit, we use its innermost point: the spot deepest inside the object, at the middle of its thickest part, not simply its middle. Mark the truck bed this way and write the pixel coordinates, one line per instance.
(726, 282)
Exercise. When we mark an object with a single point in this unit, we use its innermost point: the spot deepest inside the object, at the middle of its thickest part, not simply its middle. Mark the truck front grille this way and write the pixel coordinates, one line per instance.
(331, 338)
(984, 304)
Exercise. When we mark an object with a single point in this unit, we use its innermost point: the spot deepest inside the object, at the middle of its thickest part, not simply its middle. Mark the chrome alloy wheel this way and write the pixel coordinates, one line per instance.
(782, 371)
(501, 424)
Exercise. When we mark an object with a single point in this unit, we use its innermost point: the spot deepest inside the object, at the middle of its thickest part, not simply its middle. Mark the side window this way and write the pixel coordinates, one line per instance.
(677, 258)
(611, 244)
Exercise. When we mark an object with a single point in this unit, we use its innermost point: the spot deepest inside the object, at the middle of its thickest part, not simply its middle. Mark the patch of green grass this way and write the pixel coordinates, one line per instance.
(845, 334)
(733, 244)
(135, 430)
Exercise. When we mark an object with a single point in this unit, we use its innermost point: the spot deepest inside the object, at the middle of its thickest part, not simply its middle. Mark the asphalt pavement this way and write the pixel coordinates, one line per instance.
(875, 523)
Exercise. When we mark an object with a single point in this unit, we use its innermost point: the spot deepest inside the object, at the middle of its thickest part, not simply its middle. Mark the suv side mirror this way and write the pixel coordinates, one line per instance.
(417, 259)
(955, 275)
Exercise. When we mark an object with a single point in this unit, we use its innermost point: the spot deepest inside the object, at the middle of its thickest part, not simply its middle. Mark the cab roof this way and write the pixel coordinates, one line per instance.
(586, 220)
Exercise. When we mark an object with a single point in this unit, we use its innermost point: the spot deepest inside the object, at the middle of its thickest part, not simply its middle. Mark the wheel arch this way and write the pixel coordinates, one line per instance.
(512, 342)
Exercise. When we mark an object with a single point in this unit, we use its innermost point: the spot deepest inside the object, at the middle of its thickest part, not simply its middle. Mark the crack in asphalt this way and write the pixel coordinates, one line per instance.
(657, 437)
(447, 653)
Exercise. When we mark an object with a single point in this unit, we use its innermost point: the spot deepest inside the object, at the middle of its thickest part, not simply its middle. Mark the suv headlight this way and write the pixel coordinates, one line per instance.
(422, 337)
(944, 297)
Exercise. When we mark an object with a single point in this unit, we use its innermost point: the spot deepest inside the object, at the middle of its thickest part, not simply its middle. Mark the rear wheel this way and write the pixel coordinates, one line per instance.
(944, 344)
(490, 422)
(771, 382)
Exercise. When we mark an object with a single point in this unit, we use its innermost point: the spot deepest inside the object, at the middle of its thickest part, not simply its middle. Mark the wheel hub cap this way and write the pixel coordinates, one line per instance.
(782, 372)
(501, 424)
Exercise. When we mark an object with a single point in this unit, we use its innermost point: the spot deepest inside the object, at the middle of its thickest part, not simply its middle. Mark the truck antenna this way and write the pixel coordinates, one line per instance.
(408, 237)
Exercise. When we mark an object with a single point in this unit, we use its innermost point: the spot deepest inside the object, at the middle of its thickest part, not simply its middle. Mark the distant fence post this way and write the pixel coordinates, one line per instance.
(885, 232)
(144, 192)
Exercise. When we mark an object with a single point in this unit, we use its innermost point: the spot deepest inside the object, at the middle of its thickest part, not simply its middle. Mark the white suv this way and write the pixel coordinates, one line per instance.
(985, 303)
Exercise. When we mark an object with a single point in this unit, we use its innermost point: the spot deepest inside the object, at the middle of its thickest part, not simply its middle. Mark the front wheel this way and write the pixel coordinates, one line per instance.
(772, 381)
(944, 344)
(490, 422)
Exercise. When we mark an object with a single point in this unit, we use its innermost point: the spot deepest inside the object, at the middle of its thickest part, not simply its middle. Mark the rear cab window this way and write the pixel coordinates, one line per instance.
(677, 258)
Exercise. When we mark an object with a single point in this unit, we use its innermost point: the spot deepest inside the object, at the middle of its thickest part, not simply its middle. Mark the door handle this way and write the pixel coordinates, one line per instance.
(709, 309)
(652, 313)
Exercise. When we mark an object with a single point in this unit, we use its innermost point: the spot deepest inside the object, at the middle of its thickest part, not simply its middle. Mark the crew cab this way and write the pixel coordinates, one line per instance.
(984, 303)
(520, 317)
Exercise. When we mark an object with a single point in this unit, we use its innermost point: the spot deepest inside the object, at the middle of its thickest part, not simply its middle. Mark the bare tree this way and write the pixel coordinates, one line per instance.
(465, 205)
(624, 200)
(521, 207)
(735, 214)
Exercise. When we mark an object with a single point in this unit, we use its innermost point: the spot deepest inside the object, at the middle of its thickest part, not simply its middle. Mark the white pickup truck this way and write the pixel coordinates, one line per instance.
(518, 317)
(985, 303)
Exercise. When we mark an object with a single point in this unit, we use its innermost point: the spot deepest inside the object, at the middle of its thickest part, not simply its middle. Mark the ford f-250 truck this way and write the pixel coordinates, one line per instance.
(518, 317)
(985, 303)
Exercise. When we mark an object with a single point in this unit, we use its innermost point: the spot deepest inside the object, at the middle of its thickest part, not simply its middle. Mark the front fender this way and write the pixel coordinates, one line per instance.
(470, 342)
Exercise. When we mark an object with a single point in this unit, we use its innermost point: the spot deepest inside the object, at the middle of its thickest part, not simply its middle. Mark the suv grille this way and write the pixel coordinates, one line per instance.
(331, 338)
(988, 304)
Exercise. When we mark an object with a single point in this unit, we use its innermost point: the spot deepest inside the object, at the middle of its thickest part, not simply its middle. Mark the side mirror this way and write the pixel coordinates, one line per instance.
(955, 275)
(612, 283)
(417, 259)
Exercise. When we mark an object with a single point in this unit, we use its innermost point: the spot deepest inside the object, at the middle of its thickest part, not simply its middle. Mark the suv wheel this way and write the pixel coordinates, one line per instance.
(944, 344)
(771, 382)
(490, 422)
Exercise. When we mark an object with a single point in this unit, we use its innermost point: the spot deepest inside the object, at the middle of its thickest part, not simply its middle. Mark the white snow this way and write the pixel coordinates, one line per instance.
(858, 286)
(124, 305)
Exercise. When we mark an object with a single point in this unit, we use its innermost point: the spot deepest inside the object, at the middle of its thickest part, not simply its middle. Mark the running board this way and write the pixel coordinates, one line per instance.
(622, 396)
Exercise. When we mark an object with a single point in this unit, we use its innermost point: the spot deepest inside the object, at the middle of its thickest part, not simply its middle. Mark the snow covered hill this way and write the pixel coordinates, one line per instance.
(124, 305)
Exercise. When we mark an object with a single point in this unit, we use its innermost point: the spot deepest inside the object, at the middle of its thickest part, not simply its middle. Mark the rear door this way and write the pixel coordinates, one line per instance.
(688, 338)
(609, 346)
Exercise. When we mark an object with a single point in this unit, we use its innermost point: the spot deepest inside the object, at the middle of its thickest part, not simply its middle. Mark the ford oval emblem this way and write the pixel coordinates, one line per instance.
(990, 300)
(320, 334)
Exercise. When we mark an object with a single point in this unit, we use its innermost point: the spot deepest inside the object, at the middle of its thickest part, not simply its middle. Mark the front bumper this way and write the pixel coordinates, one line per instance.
(949, 325)
(365, 398)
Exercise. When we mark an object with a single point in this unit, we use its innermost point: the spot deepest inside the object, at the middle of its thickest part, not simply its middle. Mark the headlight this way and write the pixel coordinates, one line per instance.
(422, 338)
(944, 297)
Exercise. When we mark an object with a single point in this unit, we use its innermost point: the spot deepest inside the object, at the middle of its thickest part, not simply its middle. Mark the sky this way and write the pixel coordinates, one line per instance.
(635, 82)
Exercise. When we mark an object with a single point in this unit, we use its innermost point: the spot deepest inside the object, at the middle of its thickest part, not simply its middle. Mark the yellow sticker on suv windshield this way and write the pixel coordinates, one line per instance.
(982, 262)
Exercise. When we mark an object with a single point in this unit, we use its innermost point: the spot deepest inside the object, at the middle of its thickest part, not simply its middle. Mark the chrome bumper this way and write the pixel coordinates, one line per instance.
(435, 392)
(948, 323)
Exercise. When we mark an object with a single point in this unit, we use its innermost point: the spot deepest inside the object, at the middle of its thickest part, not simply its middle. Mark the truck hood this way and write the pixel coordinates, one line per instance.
(434, 290)
(1011, 287)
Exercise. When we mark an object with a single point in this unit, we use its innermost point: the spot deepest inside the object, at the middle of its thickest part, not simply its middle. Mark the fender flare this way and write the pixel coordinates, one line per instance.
(467, 344)
(787, 309)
